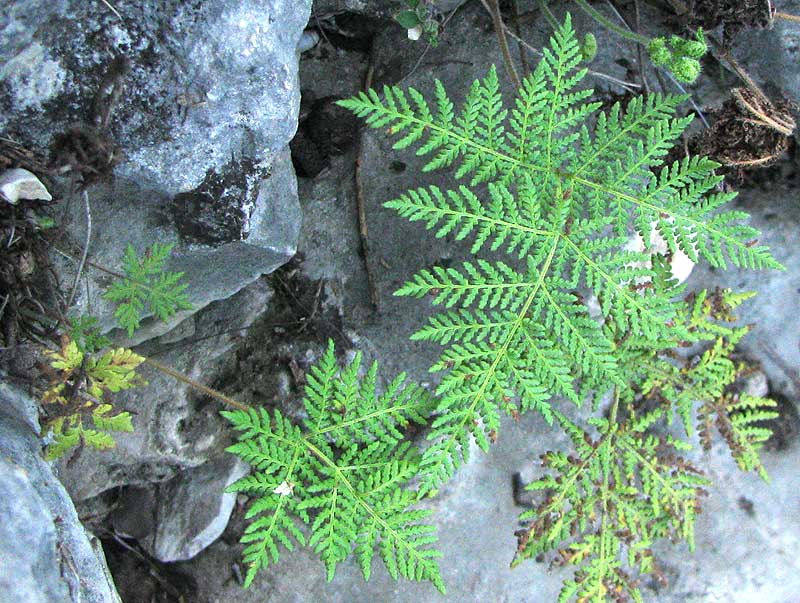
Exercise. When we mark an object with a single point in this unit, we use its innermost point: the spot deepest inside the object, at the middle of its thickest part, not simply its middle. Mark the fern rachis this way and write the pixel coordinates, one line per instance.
(562, 200)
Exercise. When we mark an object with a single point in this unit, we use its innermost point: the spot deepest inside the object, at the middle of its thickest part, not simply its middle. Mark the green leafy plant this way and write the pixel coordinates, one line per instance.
(418, 18)
(342, 474)
(710, 378)
(629, 472)
(677, 55)
(146, 286)
(562, 200)
(84, 330)
(77, 391)
(78, 413)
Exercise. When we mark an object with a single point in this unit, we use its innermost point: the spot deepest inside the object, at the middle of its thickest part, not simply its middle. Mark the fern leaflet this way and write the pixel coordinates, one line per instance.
(342, 475)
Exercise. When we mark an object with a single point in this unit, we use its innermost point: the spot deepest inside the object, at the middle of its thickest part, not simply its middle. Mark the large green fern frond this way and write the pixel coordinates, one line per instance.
(341, 475)
(561, 197)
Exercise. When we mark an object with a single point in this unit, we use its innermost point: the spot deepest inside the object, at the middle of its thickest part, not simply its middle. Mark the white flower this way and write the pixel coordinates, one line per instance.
(285, 489)
(415, 32)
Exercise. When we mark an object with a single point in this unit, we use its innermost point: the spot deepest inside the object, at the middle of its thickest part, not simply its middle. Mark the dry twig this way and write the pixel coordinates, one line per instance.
(363, 232)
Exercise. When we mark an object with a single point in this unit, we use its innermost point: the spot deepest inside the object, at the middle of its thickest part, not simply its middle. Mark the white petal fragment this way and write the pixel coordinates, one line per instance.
(285, 489)
(19, 184)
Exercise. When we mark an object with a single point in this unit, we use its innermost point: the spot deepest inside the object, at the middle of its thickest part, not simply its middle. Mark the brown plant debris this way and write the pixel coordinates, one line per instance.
(749, 132)
(27, 283)
(88, 152)
(733, 15)
(15, 155)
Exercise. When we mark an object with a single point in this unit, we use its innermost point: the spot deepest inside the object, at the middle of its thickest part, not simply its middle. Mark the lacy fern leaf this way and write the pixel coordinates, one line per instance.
(147, 287)
(560, 200)
(342, 475)
(607, 503)
(561, 189)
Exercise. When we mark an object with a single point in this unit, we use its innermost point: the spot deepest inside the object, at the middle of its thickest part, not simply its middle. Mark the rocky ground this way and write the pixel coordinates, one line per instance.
(155, 502)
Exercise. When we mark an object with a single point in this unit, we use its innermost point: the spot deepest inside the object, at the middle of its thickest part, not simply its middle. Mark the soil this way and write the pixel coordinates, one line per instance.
(87, 152)
(747, 133)
(28, 286)
(141, 579)
(733, 15)
(326, 130)
(269, 366)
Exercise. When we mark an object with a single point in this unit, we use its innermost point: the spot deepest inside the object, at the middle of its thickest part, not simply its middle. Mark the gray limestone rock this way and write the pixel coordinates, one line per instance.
(175, 427)
(46, 554)
(212, 272)
(175, 520)
(191, 106)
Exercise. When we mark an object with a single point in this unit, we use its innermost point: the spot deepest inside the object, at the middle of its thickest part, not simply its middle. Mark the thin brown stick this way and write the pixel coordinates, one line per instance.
(639, 52)
(198, 386)
(738, 69)
(88, 211)
(518, 30)
(787, 16)
(363, 231)
(493, 7)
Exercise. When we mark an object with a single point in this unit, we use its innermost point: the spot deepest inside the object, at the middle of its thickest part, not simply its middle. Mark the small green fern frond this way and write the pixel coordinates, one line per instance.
(604, 505)
(104, 420)
(84, 331)
(147, 287)
(77, 395)
(342, 474)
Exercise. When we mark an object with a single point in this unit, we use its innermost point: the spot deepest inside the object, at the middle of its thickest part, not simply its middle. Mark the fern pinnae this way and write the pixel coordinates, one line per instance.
(563, 200)
(341, 475)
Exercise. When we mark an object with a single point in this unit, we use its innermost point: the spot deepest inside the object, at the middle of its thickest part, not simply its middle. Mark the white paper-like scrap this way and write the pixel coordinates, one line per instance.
(19, 184)
(415, 32)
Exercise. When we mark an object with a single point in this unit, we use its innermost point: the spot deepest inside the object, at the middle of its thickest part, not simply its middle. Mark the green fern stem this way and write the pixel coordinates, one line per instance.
(548, 14)
(625, 33)
(605, 491)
